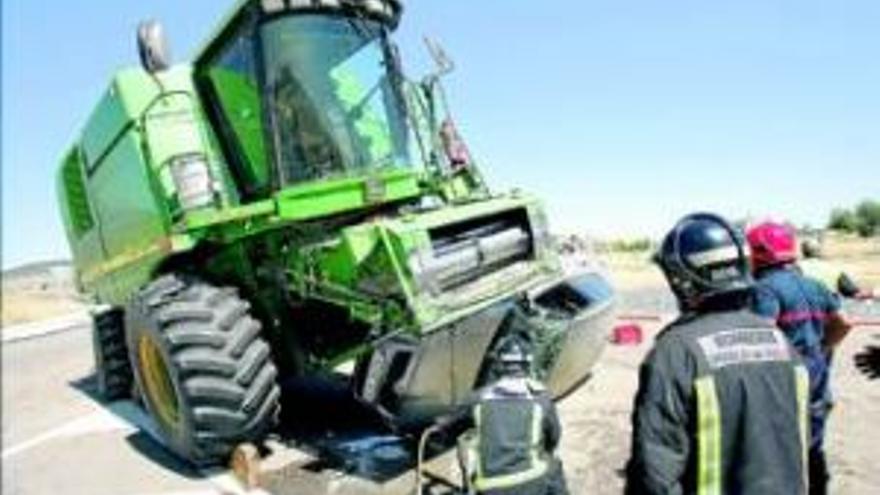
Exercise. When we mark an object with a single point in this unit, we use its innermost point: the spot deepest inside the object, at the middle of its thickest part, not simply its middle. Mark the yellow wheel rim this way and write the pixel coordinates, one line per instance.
(157, 383)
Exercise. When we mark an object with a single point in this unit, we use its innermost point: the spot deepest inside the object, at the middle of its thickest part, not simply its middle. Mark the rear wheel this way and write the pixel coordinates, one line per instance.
(204, 373)
(112, 369)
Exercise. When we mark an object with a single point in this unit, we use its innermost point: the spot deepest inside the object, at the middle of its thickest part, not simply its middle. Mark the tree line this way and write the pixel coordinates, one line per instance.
(863, 219)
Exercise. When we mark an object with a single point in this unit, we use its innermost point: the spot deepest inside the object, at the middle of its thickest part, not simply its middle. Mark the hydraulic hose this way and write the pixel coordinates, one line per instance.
(420, 456)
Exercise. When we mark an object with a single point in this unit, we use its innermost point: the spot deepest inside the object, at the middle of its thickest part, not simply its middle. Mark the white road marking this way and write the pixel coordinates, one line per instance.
(228, 483)
(211, 491)
(39, 329)
(127, 417)
(99, 421)
(203, 491)
(137, 418)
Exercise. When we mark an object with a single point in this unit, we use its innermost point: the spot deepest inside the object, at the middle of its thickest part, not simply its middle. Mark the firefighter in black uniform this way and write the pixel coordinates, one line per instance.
(516, 429)
(722, 400)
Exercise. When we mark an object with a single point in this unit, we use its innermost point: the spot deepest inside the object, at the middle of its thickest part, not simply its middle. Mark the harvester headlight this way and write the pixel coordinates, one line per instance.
(192, 181)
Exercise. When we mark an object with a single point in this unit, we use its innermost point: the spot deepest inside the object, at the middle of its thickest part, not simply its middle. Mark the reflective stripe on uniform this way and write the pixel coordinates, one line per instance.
(538, 463)
(708, 437)
(802, 382)
(744, 345)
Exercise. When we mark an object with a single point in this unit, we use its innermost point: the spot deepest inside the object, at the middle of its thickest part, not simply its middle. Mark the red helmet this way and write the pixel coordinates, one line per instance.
(772, 244)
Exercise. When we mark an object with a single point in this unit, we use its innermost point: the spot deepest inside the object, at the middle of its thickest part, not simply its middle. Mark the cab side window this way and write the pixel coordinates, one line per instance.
(232, 76)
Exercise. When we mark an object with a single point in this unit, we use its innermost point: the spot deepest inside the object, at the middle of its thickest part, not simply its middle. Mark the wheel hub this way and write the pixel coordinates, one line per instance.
(159, 389)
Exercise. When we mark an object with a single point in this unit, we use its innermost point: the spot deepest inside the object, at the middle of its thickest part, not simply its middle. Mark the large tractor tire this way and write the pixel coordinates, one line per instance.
(204, 373)
(112, 369)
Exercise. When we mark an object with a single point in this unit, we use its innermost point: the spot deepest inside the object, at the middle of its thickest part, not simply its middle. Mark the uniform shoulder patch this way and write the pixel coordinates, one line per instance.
(744, 345)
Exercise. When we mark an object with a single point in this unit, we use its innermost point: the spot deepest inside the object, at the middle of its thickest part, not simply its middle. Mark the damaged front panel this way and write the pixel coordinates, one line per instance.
(465, 251)
(568, 324)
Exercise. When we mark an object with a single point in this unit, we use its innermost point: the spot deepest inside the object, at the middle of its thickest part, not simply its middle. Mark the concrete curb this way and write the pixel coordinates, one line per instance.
(30, 331)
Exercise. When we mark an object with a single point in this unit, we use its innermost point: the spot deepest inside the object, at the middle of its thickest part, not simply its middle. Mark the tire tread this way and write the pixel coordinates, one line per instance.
(113, 371)
(227, 379)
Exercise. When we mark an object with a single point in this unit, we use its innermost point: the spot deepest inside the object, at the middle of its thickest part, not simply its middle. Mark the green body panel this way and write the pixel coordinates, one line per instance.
(130, 93)
(125, 206)
(342, 195)
(385, 247)
(76, 212)
(305, 202)
(140, 125)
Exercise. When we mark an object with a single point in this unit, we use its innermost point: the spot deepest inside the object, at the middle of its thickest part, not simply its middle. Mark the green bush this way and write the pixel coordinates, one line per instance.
(864, 220)
(631, 246)
(868, 213)
(843, 220)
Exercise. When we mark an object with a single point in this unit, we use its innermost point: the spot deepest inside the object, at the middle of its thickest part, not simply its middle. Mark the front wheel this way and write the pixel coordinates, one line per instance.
(204, 373)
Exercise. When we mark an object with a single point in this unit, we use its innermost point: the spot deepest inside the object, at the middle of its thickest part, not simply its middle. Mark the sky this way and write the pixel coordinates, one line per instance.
(622, 115)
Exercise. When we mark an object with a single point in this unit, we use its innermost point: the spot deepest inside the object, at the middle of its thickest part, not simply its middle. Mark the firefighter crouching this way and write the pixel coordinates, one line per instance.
(722, 400)
(515, 429)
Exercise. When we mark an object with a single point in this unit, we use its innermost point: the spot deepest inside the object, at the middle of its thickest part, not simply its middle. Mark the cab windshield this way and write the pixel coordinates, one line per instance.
(333, 109)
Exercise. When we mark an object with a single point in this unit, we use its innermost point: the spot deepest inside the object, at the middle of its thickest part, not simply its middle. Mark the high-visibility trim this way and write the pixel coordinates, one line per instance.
(708, 437)
(478, 422)
(539, 463)
(802, 383)
(717, 255)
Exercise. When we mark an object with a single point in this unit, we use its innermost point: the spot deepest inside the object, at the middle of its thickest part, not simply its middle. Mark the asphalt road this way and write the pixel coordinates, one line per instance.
(58, 439)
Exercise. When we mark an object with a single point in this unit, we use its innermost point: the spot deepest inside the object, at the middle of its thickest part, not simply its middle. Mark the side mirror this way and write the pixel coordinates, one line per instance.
(444, 63)
(153, 47)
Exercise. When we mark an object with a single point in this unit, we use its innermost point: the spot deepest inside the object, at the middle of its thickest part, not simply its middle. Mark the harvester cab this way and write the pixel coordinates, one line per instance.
(316, 91)
(291, 204)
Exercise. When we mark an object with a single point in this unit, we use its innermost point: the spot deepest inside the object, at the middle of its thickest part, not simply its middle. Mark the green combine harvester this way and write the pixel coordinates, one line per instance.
(291, 205)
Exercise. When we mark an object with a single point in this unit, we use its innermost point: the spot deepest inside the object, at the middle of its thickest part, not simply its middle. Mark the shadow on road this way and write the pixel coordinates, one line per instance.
(144, 440)
(319, 417)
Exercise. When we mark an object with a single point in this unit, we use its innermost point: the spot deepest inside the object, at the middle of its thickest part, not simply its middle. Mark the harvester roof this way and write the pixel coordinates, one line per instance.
(387, 11)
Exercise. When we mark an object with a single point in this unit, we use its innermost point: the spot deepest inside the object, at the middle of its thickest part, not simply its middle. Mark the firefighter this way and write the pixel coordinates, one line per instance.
(722, 401)
(516, 429)
(809, 315)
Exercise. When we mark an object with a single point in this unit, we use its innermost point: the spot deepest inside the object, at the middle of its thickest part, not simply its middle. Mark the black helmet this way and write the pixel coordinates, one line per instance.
(512, 356)
(703, 257)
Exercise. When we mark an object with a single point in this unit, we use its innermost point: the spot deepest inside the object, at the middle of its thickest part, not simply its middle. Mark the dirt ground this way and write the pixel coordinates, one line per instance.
(596, 420)
(858, 257)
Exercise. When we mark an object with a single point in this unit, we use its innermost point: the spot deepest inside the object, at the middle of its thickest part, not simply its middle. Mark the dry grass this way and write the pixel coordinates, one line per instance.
(860, 258)
(30, 306)
(633, 270)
